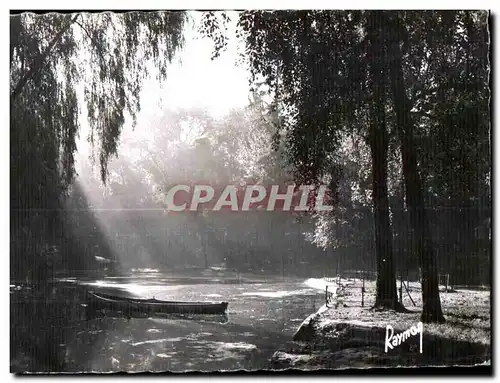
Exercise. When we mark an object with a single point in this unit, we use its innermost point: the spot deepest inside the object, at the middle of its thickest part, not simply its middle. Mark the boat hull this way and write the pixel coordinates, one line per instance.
(151, 306)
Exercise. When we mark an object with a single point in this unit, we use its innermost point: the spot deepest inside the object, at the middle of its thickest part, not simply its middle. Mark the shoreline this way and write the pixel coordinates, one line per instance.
(351, 336)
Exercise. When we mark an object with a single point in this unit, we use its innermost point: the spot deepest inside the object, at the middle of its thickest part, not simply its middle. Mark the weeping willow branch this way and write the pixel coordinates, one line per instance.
(40, 61)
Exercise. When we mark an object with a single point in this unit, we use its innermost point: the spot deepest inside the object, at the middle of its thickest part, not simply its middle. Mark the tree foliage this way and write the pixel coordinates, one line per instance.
(435, 67)
(60, 66)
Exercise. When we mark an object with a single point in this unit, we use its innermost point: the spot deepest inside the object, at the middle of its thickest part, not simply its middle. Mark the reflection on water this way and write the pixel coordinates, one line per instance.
(262, 315)
(280, 294)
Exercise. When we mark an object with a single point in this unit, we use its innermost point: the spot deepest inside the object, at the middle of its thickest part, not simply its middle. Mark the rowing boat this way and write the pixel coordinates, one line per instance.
(100, 301)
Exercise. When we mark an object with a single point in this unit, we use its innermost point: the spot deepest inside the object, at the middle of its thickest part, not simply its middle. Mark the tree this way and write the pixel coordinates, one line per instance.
(307, 59)
(432, 311)
(450, 111)
(378, 138)
(435, 65)
(56, 62)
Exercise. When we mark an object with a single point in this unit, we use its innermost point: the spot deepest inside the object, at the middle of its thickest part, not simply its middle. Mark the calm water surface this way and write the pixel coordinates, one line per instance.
(263, 314)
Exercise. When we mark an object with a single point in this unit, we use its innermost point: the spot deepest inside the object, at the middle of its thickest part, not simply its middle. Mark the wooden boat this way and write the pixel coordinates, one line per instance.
(100, 301)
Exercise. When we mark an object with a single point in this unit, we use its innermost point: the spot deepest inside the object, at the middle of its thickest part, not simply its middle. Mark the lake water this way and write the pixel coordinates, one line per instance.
(263, 314)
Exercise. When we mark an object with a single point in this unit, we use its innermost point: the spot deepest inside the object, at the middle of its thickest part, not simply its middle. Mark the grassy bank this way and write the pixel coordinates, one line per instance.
(353, 336)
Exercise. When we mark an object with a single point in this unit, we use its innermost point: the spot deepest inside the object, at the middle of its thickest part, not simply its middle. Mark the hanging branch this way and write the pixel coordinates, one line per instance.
(39, 62)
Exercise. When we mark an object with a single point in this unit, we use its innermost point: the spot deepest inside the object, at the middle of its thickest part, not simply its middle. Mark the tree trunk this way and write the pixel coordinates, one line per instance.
(431, 311)
(205, 257)
(386, 294)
